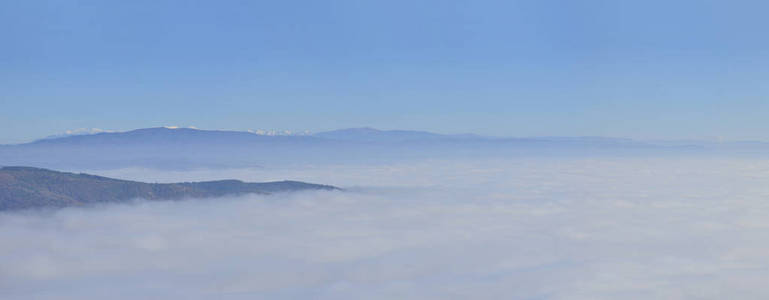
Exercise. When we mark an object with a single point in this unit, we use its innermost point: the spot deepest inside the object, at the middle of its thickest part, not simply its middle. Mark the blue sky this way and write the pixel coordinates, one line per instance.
(641, 69)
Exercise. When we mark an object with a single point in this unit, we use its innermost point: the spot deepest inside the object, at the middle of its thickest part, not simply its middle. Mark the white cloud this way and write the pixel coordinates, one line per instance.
(84, 131)
(515, 229)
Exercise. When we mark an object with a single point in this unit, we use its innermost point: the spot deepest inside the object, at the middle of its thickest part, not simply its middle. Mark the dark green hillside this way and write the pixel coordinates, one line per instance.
(27, 187)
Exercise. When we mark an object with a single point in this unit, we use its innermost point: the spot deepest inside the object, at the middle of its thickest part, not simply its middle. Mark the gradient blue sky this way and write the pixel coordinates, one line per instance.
(641, 69)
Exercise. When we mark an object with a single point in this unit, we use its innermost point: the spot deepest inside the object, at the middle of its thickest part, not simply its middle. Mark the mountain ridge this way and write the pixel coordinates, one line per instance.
(359, 134)
(191, 148)
(24, 187)
(345, 134)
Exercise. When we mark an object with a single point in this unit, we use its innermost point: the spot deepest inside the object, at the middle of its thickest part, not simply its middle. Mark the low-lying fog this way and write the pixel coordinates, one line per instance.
(627, 228)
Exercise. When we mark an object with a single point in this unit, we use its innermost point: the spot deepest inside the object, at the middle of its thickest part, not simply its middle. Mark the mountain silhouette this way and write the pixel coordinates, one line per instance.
(28, 187)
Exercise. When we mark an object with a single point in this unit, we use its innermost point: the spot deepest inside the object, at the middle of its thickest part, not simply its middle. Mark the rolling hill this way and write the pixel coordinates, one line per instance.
(27, 187)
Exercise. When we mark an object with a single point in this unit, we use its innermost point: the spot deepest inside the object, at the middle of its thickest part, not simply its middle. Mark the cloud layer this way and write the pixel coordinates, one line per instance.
(501, 229)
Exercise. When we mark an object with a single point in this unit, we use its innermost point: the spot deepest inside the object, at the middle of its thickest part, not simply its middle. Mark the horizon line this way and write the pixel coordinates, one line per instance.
(277, 132)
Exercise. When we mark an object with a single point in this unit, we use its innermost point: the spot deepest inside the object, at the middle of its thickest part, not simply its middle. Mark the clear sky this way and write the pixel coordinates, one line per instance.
(641, 69)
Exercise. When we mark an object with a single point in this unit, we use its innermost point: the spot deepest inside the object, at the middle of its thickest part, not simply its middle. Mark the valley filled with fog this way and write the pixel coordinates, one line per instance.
(384, 150)
(520, 228)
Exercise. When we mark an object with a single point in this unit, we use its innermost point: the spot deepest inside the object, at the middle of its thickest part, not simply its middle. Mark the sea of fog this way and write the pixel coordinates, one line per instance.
(619, 228)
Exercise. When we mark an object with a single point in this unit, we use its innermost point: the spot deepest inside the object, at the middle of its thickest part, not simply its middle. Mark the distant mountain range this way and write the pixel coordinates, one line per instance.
(27, 187)
(183, 148)
(363, 134)
(366, 135)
